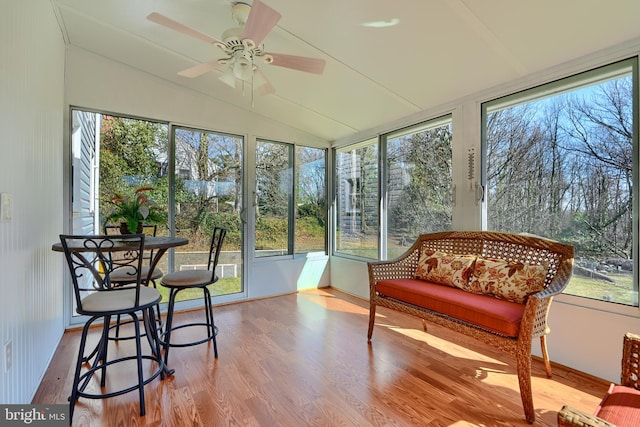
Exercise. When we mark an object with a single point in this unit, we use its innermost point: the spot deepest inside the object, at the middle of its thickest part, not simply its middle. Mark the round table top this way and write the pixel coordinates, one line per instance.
(159, 242)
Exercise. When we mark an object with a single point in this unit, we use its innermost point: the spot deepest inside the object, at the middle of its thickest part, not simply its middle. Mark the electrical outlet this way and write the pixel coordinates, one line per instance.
(8, 356)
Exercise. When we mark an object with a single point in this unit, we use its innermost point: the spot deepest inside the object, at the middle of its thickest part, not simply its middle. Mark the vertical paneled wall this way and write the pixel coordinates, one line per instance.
(31, 164)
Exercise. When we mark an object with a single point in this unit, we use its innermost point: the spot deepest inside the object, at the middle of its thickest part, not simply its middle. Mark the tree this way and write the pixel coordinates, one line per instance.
(208, 184)
(563, 167)
(133, 153)
(419, 182)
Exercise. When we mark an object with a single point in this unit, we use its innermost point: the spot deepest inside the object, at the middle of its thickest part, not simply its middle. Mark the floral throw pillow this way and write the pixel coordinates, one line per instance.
(513, 281)
(450, 270)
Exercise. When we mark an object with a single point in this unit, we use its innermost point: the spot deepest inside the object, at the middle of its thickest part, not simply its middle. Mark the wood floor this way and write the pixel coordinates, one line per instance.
(303, 360)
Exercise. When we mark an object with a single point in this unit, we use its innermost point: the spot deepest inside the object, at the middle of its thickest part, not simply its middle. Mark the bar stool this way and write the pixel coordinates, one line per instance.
(91, 261)
(194, 279)
(124, 277)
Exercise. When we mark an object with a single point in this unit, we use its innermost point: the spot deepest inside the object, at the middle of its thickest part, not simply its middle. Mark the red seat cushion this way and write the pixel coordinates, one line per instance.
(485, 311)
(621, 406)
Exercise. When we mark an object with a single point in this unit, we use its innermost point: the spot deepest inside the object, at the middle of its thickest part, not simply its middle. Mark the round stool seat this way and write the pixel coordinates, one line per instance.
(188, 279)
(124, 275)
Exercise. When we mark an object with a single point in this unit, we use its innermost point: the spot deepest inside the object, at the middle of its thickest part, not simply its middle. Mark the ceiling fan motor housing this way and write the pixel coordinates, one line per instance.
(240, 12)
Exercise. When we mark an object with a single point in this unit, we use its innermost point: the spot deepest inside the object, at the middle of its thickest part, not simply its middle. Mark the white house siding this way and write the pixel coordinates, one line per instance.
(84, 160)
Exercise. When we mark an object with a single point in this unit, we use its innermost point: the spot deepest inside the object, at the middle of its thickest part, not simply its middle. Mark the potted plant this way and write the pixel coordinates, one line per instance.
(133, 211)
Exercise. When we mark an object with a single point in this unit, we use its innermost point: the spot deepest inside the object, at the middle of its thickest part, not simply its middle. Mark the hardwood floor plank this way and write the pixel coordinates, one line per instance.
(304, 360)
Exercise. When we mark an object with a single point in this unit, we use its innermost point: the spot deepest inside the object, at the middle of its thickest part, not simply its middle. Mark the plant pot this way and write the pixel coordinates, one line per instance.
(124, 229)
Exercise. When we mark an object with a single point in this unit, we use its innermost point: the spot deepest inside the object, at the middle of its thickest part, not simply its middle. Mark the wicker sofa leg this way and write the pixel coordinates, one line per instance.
(372, 320)
(545, 355)
(523, 366)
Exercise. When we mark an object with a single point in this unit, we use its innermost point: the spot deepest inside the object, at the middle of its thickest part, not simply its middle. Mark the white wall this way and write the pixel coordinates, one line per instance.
(585, 335)
(31, 105)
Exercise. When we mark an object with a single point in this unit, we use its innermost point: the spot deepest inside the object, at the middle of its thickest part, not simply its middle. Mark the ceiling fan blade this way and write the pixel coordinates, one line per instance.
(264, 85)
(199, 69)
(261, 20)
(300, 63)
(266, 89)
(174, 25)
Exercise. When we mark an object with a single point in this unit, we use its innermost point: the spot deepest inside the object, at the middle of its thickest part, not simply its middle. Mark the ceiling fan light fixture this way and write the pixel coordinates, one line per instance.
(228, 77)
(243, 69)
(242, 64)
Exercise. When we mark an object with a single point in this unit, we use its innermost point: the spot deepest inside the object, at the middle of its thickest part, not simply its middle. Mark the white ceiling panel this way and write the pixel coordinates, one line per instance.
(384, 60)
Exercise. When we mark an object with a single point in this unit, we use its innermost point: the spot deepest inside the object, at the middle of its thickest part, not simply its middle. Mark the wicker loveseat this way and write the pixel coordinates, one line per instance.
(471, 304)
(621, 406)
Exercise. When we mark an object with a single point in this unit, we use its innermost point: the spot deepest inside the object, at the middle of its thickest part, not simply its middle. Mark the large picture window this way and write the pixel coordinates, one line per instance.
(561, 162)
(418, 183)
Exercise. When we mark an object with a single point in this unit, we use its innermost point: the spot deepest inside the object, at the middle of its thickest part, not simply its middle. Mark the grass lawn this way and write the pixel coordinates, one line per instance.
(620, 291)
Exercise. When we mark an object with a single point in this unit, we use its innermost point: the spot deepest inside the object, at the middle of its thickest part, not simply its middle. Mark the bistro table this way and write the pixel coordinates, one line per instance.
(158, 244)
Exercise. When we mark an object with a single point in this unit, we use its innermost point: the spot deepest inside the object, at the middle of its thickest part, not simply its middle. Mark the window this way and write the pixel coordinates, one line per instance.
(418, 183)
(113, 156)
(208, 194)
(416, 190)
(132, 154)
(561, 162)
(290, 207)
(274, 199)
(357, 200)
(311, 200)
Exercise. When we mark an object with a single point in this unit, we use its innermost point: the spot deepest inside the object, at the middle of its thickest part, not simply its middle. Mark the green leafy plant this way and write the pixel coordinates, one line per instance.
(135, 209)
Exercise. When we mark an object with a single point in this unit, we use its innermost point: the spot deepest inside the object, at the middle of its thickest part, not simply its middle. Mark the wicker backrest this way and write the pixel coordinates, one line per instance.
(506, 246)
(630, 375)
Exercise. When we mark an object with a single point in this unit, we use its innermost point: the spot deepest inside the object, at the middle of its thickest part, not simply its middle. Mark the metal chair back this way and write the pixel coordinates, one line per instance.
(147, 229)
(92, 260)
(214, 250)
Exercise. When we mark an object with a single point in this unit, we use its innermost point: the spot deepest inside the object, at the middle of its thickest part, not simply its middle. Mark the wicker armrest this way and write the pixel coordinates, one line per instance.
(569, 416)
(403, 267)
(631, 361)
(545, 293)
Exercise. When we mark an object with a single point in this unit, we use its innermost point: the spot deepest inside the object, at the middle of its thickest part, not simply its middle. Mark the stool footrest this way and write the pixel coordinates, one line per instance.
(209, 337)
(86, 376)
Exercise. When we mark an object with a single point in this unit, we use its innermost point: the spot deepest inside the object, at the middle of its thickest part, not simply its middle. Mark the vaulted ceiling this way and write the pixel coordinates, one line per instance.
(385, 60)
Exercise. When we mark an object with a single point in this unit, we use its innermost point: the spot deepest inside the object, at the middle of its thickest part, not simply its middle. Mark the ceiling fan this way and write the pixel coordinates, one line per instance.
(242, 46)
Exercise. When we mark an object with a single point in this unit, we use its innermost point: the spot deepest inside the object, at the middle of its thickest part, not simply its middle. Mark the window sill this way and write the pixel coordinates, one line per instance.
(598, 305)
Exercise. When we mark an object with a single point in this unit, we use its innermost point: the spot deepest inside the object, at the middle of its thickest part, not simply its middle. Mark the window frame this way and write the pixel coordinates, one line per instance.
(292, 251)
(374, 141)
(423, 126)
(567, 84)
(296, 178)
(381, 141)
